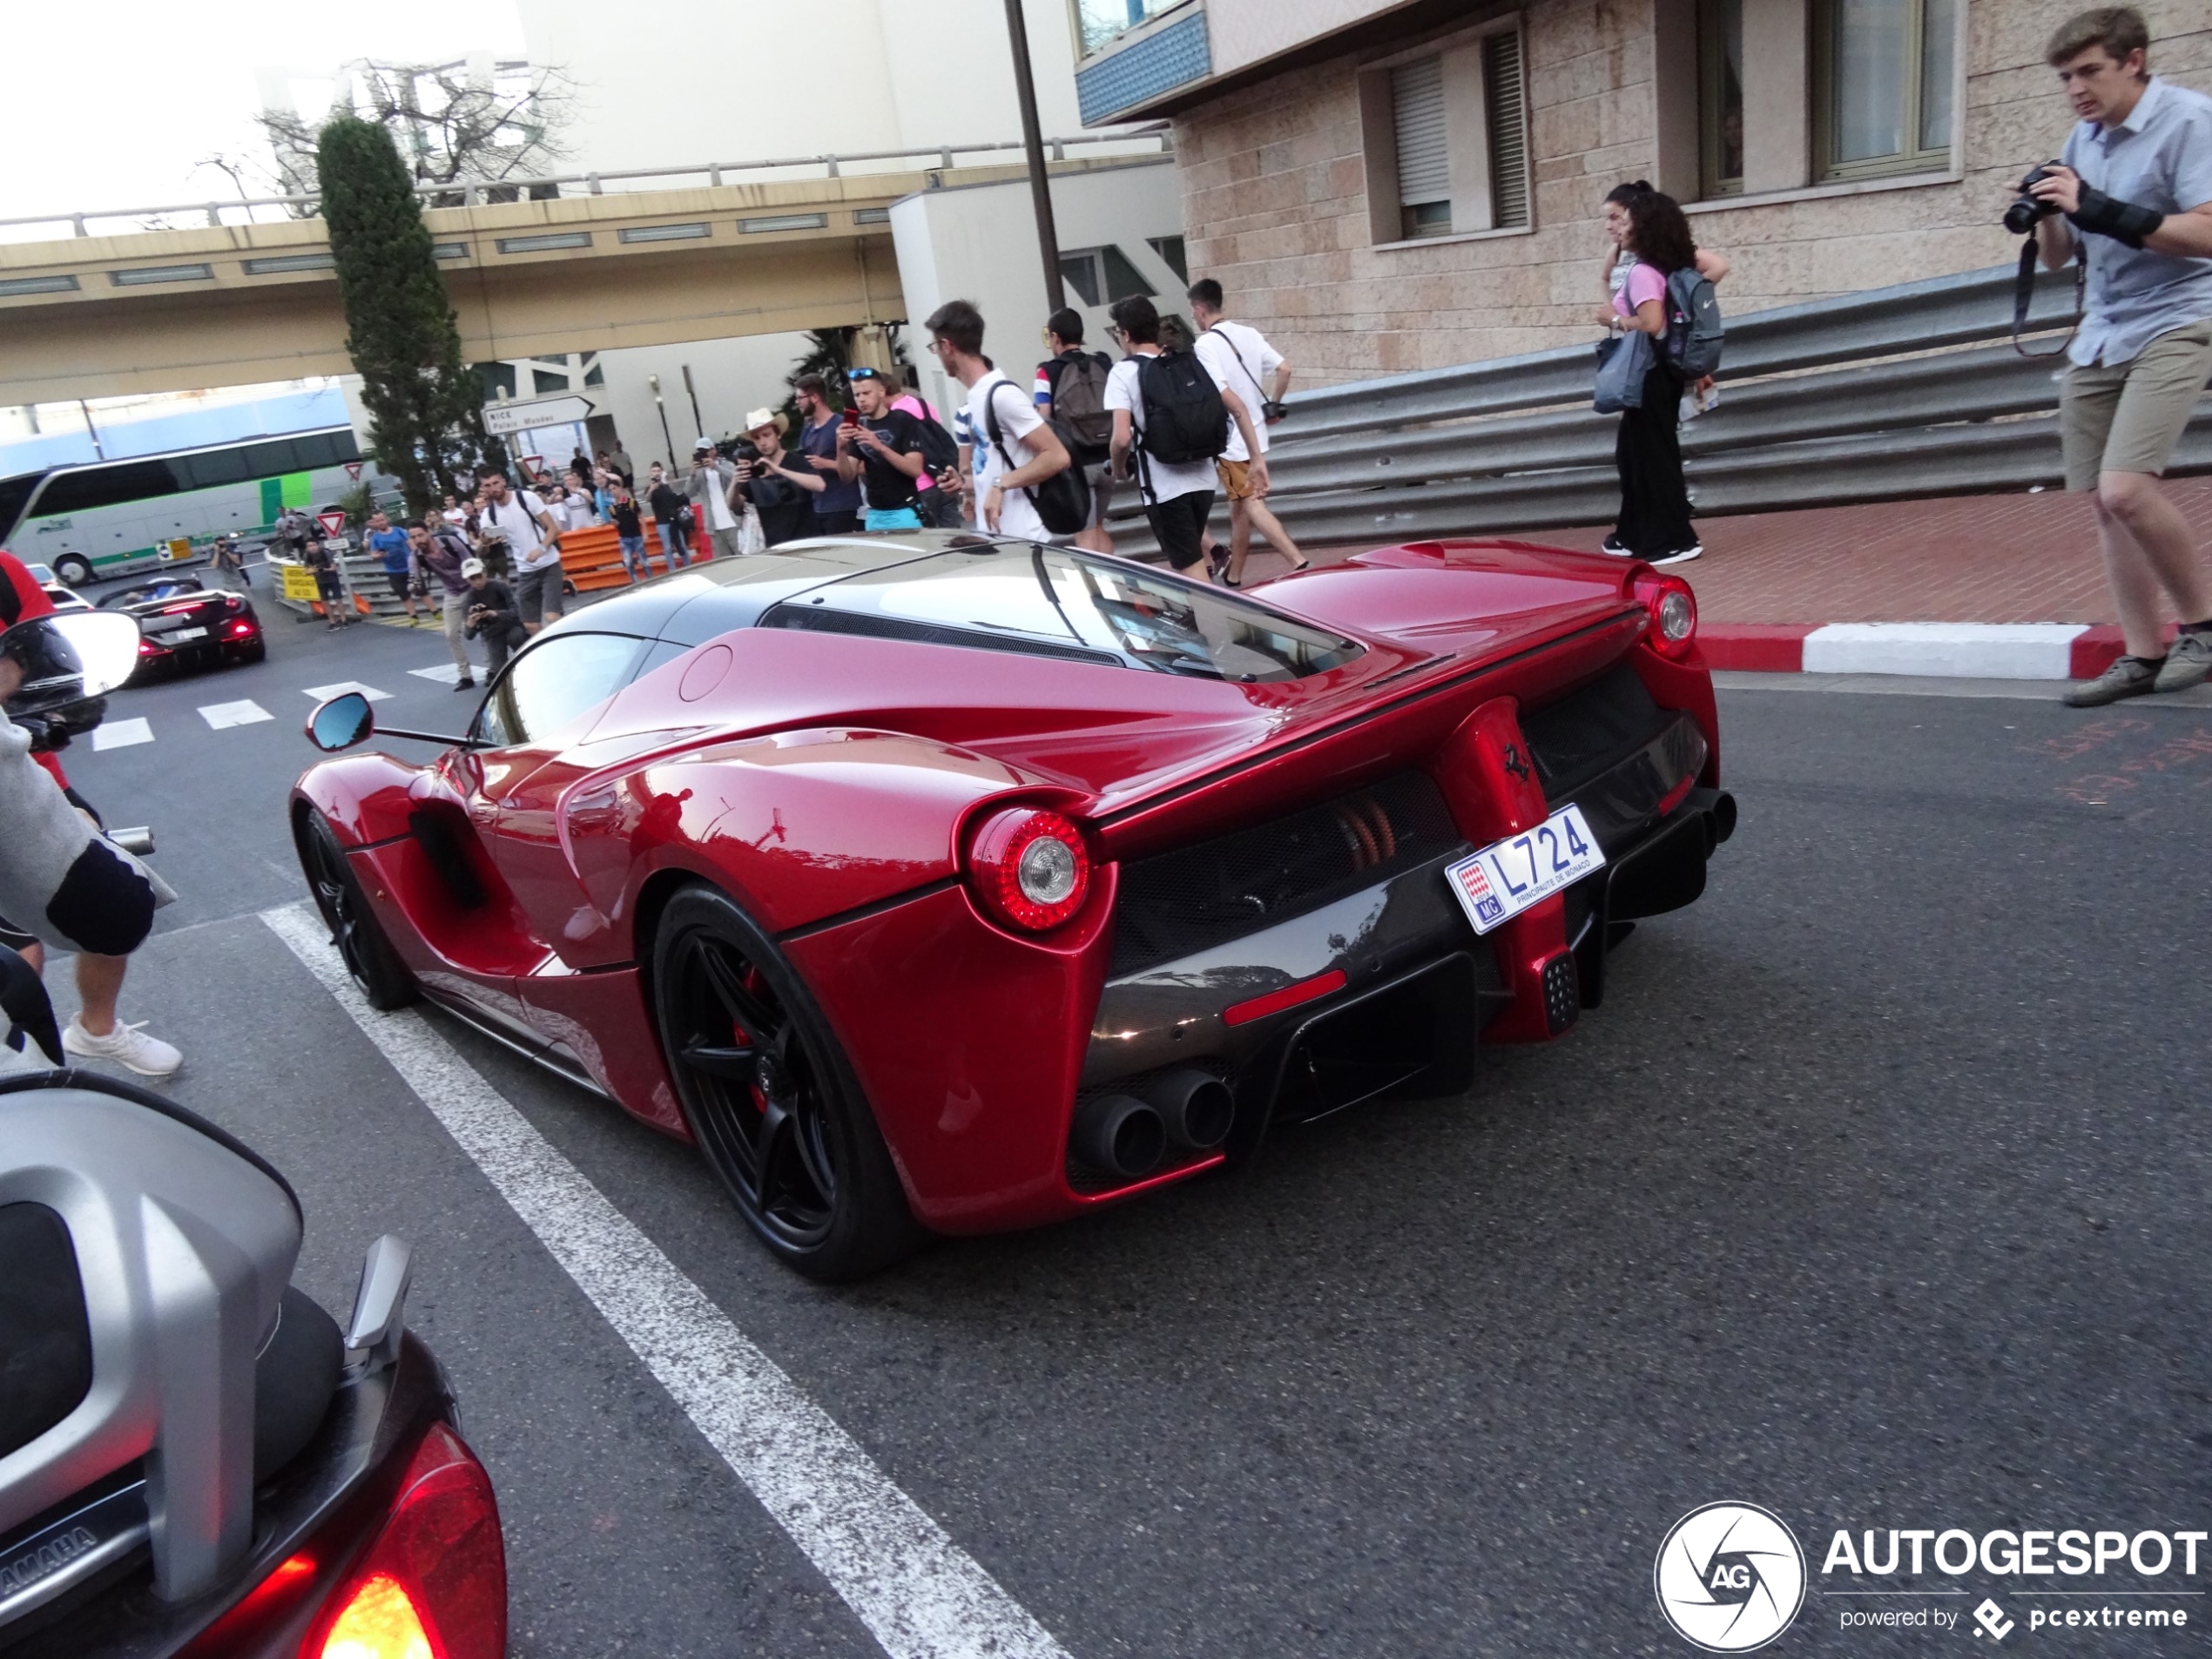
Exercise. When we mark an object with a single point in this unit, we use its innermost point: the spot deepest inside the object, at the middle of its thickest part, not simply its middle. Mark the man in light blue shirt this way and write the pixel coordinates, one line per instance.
(2133, 193)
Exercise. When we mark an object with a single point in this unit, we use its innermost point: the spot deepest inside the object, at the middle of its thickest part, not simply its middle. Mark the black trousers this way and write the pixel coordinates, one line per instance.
(1655, 502)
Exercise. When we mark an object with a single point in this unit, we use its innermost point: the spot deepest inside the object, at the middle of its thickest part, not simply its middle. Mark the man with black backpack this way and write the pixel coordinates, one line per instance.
(1071, 387)
(1172, 419)
(1028, 498)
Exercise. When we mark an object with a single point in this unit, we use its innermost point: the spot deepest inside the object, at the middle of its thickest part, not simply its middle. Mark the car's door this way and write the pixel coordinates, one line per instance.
(544, 704)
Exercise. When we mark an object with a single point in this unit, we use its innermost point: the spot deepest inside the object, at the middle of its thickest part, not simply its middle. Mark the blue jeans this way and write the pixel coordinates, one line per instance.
(671, 543)
(633, 557)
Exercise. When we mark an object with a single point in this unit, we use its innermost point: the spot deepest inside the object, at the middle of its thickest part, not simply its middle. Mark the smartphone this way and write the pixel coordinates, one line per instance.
(852, 416)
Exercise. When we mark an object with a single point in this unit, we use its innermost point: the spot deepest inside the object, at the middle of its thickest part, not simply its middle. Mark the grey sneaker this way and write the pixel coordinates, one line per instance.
(2128, 677)
(2189, 663)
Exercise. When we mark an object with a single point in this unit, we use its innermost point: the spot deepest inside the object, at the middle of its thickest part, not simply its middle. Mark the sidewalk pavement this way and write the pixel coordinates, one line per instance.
(2004, 586)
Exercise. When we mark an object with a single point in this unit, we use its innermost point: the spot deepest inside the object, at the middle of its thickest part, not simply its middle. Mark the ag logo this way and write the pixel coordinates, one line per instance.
(1730, 1577)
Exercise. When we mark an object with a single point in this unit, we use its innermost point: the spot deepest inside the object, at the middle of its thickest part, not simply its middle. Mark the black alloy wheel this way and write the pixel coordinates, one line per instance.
(354, 928)
(768, 1096)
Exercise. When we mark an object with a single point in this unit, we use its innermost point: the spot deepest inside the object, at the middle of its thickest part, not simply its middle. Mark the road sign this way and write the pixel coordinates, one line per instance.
(353, 471)
(503, 420)
(331, 524)
(534, 464)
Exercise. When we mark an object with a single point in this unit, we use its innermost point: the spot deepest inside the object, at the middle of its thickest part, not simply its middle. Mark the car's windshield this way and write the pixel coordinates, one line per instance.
(1052, 601)
(169, 590)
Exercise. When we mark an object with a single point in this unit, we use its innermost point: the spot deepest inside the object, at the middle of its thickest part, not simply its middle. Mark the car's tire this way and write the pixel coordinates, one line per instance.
(254, 653)
(72, 571)
(769, 1096)
(367, 953)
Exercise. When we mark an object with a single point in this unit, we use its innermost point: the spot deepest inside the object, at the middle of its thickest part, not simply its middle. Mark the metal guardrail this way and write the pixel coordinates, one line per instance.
(1885, 395)
(473, 192)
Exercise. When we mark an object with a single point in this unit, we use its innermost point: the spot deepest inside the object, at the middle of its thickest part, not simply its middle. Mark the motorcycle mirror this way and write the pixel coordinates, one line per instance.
(342, 722)
(69, 658)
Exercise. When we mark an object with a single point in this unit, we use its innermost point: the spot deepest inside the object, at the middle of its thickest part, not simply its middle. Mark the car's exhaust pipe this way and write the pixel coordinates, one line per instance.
(1121, 1135)
(1196, 1106)
(1718, 807)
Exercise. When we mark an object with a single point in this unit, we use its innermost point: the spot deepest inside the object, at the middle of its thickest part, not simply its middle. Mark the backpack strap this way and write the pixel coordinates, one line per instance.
(1259, 390)
(998, 441)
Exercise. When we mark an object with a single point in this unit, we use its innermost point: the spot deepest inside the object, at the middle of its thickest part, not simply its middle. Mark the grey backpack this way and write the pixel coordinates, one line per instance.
(1694, 334)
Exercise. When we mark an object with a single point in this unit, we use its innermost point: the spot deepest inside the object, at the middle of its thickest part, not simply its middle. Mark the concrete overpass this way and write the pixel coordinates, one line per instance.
(224, 304)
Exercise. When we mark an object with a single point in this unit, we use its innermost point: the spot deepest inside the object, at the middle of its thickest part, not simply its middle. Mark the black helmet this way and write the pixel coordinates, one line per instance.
(53, 674)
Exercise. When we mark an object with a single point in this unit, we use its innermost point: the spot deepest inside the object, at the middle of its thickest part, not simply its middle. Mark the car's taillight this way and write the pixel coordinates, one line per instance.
(1029, 869)
(433, 1583)
(242, 630)
(1674, 613)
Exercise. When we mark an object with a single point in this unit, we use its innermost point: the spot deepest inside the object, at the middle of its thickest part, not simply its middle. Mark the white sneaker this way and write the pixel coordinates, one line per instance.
(127, 1045)
(1616, 547)
(1680, 555)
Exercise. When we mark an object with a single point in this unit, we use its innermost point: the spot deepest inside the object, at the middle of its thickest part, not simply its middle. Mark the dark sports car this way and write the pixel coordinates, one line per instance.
(944, 884)
(185, 624)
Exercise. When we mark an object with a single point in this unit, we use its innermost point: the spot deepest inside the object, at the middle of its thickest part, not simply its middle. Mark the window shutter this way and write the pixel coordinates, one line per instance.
(1506, 99)
(1424, 156)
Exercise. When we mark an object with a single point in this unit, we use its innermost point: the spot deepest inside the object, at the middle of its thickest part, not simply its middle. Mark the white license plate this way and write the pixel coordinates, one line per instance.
(183, 634)
(1505, 878)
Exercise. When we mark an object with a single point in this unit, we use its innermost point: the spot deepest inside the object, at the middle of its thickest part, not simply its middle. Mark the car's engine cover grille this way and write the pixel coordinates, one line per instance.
(1176, 904)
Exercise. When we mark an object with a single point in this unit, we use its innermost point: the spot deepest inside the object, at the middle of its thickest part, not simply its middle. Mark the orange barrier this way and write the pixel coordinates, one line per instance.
(591, 558)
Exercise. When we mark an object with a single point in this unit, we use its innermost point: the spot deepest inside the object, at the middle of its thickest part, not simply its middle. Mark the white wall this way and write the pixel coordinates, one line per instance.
(979, 243)
(733, 377)
(836, 76)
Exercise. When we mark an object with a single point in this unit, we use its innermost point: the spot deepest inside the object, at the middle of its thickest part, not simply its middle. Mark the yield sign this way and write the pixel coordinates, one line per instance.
(535, 463)
(353, 471)
(332, 522)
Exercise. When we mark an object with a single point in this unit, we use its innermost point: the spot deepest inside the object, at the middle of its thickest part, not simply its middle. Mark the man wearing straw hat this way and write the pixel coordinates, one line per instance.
(778, 490)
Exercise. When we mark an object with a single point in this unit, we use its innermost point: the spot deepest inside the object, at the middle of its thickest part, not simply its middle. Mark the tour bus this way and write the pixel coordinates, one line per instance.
(104, 518)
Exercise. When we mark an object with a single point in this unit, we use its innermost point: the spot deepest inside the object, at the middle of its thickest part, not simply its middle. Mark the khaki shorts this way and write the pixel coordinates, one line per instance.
(2127, 417)
(1235, 479)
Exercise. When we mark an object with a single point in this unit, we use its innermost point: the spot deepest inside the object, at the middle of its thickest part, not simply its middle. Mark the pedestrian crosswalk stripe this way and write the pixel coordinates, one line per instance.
(324, 693)
(445, 673)
(245, 712)
(121, 734)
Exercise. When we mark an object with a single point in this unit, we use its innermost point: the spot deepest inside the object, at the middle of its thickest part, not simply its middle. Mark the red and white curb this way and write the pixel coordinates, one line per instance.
(2032, 651)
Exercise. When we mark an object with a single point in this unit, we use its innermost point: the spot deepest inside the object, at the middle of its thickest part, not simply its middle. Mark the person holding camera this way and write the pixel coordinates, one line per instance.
(533, 542)
(883, 447)
(2131, 196)
(779, 490)
(708, 490)
(494, 617)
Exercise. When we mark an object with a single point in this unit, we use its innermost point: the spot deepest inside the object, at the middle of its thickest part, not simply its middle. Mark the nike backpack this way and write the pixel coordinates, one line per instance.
(1694, 332)
(1079, 398)
(1184, 418)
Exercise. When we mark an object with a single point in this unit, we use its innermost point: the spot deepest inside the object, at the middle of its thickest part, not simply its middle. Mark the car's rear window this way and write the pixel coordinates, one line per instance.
(1055, 602)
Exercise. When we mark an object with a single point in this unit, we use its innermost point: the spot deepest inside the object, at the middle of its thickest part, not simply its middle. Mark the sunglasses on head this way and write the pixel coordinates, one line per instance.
(862, 374)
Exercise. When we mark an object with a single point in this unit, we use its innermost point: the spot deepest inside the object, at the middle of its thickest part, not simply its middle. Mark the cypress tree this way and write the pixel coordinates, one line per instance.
(425, 406)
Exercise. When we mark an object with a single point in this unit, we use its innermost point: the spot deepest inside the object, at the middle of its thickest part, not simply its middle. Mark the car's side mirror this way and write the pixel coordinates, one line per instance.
(342, 722)
(68, 657)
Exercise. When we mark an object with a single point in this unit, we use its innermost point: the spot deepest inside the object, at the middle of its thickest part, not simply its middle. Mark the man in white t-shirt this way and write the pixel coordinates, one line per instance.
(1015, 450)
(1177, 495)
(708, 487)
(1241, 359)
(533, 543)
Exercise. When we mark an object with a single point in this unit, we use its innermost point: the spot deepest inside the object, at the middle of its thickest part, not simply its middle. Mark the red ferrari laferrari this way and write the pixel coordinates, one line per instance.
(944, 884)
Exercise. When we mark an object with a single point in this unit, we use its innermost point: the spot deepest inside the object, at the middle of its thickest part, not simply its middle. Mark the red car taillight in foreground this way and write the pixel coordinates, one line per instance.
(433, 1583)
(1029, 869)
(1674, 613)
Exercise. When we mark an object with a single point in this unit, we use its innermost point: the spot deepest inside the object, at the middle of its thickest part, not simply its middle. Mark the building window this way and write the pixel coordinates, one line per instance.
(541, 382)
(1445, 134)
(1099, 21)
(1170, 248)
(1884, 70)
(1101, 275)
(1720, 101)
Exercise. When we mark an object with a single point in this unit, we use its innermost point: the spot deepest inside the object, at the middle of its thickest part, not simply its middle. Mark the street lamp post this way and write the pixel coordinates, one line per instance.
(1025, 91)
(661, 409)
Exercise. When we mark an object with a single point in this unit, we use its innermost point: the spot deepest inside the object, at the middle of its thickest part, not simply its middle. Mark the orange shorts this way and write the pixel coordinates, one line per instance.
(1235, 479)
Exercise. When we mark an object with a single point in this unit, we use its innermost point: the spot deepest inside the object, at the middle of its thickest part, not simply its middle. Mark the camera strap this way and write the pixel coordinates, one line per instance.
(2024, 294)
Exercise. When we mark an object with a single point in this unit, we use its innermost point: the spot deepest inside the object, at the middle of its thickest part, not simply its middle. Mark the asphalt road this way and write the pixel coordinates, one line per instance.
(1874, 1195)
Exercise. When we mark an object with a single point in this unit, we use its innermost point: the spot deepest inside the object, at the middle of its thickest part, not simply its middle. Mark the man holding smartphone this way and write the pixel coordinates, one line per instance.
(837, 507)
(883, 447)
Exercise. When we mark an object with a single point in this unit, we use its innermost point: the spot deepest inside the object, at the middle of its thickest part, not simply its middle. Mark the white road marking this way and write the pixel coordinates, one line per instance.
(121, 734)
(445, 673)
(918, 1592)
(245, 712)
(324, 693)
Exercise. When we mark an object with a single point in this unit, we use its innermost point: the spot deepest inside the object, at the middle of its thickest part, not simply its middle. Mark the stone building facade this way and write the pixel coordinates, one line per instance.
(1295, 198)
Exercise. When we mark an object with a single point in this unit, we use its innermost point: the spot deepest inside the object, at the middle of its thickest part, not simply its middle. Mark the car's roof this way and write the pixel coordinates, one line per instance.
(704, 601)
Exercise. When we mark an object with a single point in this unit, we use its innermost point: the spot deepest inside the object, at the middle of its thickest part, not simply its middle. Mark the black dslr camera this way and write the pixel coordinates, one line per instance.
(2026, 211)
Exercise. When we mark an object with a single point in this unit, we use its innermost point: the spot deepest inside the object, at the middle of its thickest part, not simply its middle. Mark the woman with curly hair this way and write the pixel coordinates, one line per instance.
(1649, 227)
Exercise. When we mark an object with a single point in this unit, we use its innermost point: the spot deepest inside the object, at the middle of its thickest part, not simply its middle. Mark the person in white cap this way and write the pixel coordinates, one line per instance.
(709, 489)
(492, 615)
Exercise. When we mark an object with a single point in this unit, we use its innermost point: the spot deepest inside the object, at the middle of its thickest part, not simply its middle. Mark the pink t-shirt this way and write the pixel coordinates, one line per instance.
(1644, 283)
